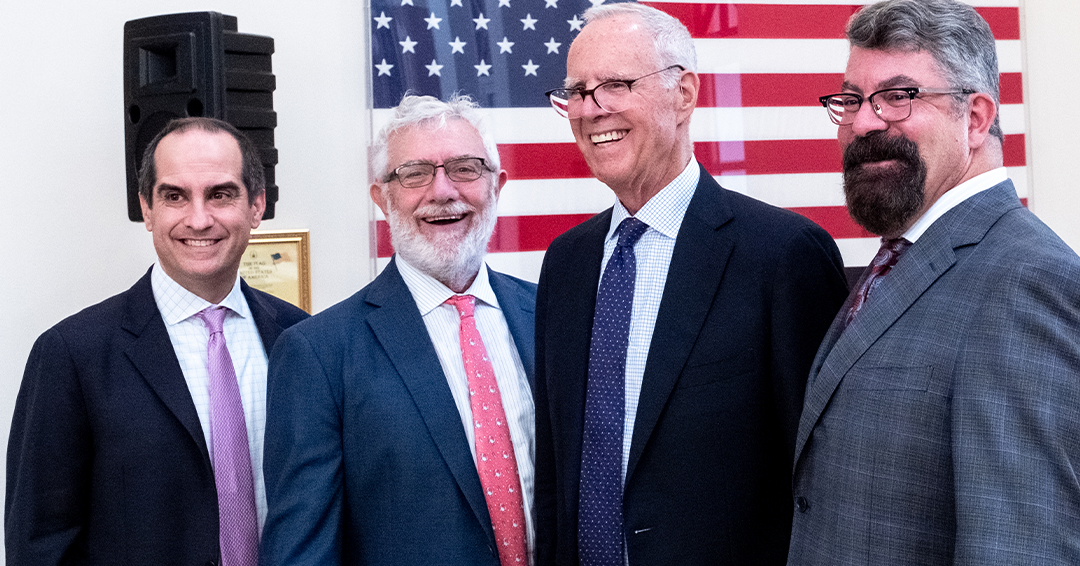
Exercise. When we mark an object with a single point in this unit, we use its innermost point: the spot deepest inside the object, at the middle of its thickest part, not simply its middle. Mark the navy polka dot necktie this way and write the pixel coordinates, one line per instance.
(600, 522)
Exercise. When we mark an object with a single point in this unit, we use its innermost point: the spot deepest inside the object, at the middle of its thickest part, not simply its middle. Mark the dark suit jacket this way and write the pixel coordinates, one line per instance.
(107, 462)
(943, 426)
(750, 292)
(366, 459)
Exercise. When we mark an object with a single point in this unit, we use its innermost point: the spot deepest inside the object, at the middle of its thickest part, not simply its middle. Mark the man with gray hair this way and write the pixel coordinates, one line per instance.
(675, 330)
(941, 416)
(400, 421)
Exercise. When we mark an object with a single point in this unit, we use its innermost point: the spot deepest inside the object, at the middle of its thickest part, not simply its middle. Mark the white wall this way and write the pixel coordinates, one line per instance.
(67, 242)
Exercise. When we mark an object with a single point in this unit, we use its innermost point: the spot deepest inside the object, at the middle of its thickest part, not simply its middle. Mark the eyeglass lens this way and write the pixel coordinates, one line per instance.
(462, 170)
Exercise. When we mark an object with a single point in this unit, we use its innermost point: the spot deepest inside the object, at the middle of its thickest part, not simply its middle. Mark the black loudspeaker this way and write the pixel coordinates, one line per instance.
(196, 64)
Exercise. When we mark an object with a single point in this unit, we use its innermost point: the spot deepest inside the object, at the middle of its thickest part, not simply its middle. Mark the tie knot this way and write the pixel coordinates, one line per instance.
(213, 318)
(630, 230)
(464, 304)
(890, 252)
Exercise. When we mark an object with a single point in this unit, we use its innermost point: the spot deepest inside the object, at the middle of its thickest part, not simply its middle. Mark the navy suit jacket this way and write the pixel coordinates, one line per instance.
(107, 462)
(943, 425)
(366, 459)
(750, 292)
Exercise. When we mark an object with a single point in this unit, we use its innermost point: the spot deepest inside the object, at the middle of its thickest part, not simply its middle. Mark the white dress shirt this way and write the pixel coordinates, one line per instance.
(953, 197)
(190, 338)
(664, 215)
(442, 324)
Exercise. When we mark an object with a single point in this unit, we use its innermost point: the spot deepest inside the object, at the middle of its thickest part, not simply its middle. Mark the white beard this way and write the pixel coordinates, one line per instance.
(452, 261)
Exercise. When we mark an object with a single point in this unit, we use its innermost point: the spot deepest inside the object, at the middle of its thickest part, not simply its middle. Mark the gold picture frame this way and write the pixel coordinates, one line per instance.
(279, 262)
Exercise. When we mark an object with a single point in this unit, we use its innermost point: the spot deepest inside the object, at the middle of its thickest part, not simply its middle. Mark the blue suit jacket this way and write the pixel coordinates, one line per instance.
(943, 426)
(366, 459)
(107, 462)
(749, 294)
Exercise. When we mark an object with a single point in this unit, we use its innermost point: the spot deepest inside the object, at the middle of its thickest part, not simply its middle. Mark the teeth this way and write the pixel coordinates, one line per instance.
(199, 243)
(609, 136)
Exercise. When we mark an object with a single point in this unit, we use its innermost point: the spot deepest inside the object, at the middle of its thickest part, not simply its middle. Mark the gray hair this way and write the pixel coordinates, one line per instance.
(953, 33)
(430, 111)
(251, 170)
(671, 39)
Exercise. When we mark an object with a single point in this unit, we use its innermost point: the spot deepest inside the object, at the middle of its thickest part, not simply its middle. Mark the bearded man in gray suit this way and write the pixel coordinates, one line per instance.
(941, 417)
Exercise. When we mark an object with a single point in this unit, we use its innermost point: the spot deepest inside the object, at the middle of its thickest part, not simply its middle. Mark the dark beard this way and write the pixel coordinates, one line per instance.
(884, 200)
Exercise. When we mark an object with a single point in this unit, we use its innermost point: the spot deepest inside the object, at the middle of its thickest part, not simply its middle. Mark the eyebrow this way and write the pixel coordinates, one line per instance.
(167, 187)
(891, 82)
(451, 158)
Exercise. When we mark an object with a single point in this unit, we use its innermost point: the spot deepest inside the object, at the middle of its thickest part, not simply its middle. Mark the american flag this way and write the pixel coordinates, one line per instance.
(758, 127)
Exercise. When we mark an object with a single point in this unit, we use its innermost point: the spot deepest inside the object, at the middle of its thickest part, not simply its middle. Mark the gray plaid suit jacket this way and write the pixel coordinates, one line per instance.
(943, 427)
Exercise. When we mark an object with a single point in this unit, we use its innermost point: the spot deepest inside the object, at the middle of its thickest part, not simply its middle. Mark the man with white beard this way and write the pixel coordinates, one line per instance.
(400, 424)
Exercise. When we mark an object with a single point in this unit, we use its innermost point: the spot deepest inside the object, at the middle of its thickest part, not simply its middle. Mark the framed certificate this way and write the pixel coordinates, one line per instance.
(278, 262)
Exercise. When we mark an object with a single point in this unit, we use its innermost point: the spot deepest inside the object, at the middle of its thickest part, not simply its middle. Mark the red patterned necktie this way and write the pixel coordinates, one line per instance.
(883, 262)
(495, 461)
(239, 527)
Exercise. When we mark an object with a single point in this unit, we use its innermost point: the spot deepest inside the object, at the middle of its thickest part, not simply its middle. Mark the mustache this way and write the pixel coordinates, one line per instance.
(450, 209)
(879, 147)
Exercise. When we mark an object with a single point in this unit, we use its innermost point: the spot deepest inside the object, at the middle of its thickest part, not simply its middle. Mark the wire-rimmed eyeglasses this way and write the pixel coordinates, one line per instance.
(418, 175)
(890, 104)
(610, 96)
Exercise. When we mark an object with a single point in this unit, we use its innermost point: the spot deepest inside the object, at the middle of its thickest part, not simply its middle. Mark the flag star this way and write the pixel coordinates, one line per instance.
(530, 69)
(529, 22)
(505, 45)
(407, 46)
(434, 68)
(455, 3)
(457, 46)
(432, 21)
(505, 3)
(551, 4)
(407, 3)
(384, 68)
(383, 20)
(482, 22)
(596, 3)
(576, 23)
(553, 46)
(482, 69)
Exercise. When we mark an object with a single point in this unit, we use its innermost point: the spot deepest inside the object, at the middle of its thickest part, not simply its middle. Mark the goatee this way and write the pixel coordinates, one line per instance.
(884, 199)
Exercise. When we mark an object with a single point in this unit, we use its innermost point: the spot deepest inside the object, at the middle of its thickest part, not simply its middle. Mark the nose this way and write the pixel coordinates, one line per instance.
(199, 216)
(590, 107)
(866, 120)
(442, 189)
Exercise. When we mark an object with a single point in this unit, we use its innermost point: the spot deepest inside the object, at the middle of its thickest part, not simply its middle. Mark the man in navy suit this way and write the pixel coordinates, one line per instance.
(730, 300)
(110, 454)
(373, 445)
(941, 415)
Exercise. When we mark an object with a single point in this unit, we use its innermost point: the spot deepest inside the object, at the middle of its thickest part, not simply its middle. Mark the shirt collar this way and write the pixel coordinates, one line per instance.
(429, 293)
(664, 212)
(953, 197)
(177, 304)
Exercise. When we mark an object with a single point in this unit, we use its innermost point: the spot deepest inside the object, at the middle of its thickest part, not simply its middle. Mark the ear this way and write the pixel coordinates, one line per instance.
(688, 88)
(501, 181)
(147, 216)
(377, 196)
(981, 116)
(257, 209)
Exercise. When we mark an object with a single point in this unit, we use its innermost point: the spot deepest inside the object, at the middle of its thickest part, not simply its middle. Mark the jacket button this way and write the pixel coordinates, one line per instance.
(802, 504)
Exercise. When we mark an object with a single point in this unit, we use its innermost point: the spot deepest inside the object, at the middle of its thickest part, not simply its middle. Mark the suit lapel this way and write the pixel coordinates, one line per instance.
(697, 266)
(923, 264)
(152, 354)
(517, 308)
(404, 337)
(265, 316)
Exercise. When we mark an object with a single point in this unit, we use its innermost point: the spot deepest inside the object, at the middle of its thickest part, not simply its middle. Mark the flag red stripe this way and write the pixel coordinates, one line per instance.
(798, 89)
(789, 21)
(762, 157)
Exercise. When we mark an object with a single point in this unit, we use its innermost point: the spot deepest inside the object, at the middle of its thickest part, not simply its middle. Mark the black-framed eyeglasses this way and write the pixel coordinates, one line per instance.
(890, 104)
(610, 96)
(461, 170)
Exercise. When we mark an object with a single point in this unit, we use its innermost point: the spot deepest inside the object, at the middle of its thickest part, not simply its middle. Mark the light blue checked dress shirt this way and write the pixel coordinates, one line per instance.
(664, 214)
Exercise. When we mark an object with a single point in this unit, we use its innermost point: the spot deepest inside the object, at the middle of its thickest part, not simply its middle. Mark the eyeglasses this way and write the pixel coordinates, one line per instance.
(461, 170)
(890, 104)
(611, 96)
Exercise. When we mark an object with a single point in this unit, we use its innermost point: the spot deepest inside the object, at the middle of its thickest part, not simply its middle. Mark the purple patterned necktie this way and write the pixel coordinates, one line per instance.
(600, 521)
(883, 262)
(239, 534)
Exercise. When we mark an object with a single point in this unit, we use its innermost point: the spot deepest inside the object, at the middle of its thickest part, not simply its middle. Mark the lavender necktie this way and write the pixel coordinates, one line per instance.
(600, 521)
(883, 262)
(239, 528)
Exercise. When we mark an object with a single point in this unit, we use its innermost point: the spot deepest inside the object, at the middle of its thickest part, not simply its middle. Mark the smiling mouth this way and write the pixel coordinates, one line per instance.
(607, 137)
(199, 243)
(444, 220)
